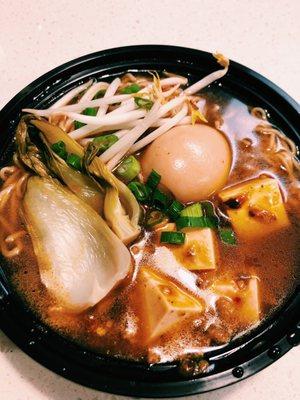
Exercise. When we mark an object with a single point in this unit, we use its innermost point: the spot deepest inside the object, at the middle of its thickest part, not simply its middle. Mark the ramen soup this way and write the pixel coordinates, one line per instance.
(150, 219)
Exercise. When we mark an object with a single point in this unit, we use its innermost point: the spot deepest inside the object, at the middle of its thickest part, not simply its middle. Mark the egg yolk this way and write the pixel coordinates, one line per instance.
(194, 161)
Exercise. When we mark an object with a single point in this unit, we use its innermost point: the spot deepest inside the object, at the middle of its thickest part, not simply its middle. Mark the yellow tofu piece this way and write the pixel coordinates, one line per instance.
(261, 211)
(165, 304)
(245, 300)
(200, 250)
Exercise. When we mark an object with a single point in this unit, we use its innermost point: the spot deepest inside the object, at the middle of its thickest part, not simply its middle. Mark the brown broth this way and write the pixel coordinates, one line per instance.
(115, 325)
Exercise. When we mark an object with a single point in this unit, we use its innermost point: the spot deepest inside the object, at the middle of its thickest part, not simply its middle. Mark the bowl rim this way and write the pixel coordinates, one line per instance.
(287, 334)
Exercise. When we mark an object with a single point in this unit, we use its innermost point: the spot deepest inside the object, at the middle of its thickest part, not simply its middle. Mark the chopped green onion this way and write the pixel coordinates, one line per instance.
(208, 208)
(99, 94)
(140, 191)
(194, 210)
(155, 217)
(153, 180)
(172, 237)
(104, 142)
(78, 124)
(60, 149)
(128, 169)
(227, 236)
(174, 210)
(196, 222)
(91, 111)
(143, 103)
(160, 200)
(74, 161)
(134, 88)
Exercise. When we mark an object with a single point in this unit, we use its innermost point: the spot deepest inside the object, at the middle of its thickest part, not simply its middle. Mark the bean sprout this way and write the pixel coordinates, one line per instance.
(70, 95)
(161, 130)
(111, 90)
(207, 80)
(79, 107)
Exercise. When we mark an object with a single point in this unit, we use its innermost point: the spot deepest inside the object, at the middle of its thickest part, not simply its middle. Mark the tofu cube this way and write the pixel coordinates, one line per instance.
(165, 304)
(245, 300)
(255, 207)
(200, 250)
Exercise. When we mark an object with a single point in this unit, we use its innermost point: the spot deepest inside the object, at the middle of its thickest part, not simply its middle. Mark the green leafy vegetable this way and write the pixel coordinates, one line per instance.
(172, 237)
(79, 183)
(128, 169)
(121, 209)
(75, 249)
(46, 163)
(143, 103)
(54, 134)
(134, 88)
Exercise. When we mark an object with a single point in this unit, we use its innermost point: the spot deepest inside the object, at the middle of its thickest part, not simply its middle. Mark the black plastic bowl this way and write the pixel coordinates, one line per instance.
(237, 360)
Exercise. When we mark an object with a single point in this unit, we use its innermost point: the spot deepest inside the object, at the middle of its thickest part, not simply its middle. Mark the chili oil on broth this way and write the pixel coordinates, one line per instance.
(115, 326)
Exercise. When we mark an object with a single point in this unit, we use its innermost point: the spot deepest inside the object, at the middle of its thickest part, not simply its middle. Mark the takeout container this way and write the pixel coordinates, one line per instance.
(235, 361)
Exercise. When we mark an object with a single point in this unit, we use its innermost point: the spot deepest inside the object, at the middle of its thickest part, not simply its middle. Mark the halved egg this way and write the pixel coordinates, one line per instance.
(194, 161)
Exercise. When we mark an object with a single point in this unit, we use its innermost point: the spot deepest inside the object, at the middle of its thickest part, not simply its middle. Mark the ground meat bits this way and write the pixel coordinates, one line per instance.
(219, 334)
(225, 308)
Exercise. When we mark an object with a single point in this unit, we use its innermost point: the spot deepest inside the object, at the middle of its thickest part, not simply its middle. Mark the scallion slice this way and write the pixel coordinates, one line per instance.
(140, 191)
(128, 169)
(227, 236)
(160, 200)
(153, 179)
(60, 149)
(91, 111)
(194, 210)
(99, 94)
(104, 142)
(155, 217)
(143, 103)
(134, 88)
(74, 161)
(207, 208)
(196, 222)
(171, 237)
(174, 210)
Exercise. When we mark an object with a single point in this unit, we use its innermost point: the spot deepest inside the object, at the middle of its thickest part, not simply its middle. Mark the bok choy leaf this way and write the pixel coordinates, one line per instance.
(42, 160)
(119, 214)
(80, 259)
(121, 210)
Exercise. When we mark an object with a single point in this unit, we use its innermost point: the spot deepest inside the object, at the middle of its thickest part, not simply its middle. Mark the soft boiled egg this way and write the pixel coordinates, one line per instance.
(194, 161)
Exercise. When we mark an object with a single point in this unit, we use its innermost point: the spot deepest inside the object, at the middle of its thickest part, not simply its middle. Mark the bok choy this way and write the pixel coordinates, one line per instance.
(121, 210)
(80, 259)
(118, 198)
(45, 162)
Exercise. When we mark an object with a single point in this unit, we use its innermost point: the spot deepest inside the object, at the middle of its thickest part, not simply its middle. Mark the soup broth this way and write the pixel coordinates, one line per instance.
(183, 299)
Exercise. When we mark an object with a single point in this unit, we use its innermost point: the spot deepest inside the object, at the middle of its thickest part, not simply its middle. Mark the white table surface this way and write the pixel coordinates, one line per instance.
(36, 36)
